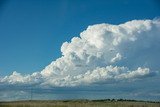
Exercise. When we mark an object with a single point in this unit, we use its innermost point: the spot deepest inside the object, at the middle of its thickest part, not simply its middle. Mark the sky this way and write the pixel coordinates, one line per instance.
(74, 48)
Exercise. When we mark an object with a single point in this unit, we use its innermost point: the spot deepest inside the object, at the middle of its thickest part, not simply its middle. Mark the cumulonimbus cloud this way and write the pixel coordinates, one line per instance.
(103, 53)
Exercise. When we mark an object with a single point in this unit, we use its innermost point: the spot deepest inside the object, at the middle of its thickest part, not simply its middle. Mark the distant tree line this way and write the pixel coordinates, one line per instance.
(129, 100)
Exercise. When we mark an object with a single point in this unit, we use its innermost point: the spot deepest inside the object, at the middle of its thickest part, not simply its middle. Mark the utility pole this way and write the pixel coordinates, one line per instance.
(31, 94)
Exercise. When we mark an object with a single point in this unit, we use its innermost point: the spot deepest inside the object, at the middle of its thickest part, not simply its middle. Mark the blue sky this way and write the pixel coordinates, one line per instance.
(32, 32)
(79, 49)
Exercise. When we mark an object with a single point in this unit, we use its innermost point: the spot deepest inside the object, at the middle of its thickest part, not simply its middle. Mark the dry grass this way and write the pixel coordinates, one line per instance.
(78, 103)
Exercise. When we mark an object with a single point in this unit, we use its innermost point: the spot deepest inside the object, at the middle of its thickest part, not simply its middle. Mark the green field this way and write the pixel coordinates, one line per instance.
(80, 103)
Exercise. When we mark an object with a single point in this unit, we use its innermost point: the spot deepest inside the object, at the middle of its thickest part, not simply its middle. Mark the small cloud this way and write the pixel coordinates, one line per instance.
(116, 58)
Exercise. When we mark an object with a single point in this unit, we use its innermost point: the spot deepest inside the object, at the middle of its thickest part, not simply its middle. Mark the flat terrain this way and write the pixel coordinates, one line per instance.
(80, 103)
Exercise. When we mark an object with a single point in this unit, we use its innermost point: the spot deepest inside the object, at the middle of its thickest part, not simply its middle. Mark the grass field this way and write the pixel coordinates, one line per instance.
(80, 103)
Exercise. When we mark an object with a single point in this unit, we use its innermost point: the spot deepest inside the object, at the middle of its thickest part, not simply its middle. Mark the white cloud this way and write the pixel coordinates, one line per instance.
(116, 58)
(102, 53)
(17, 78)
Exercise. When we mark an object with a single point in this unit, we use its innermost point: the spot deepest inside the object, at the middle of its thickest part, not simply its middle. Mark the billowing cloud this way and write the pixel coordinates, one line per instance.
(103, 53)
